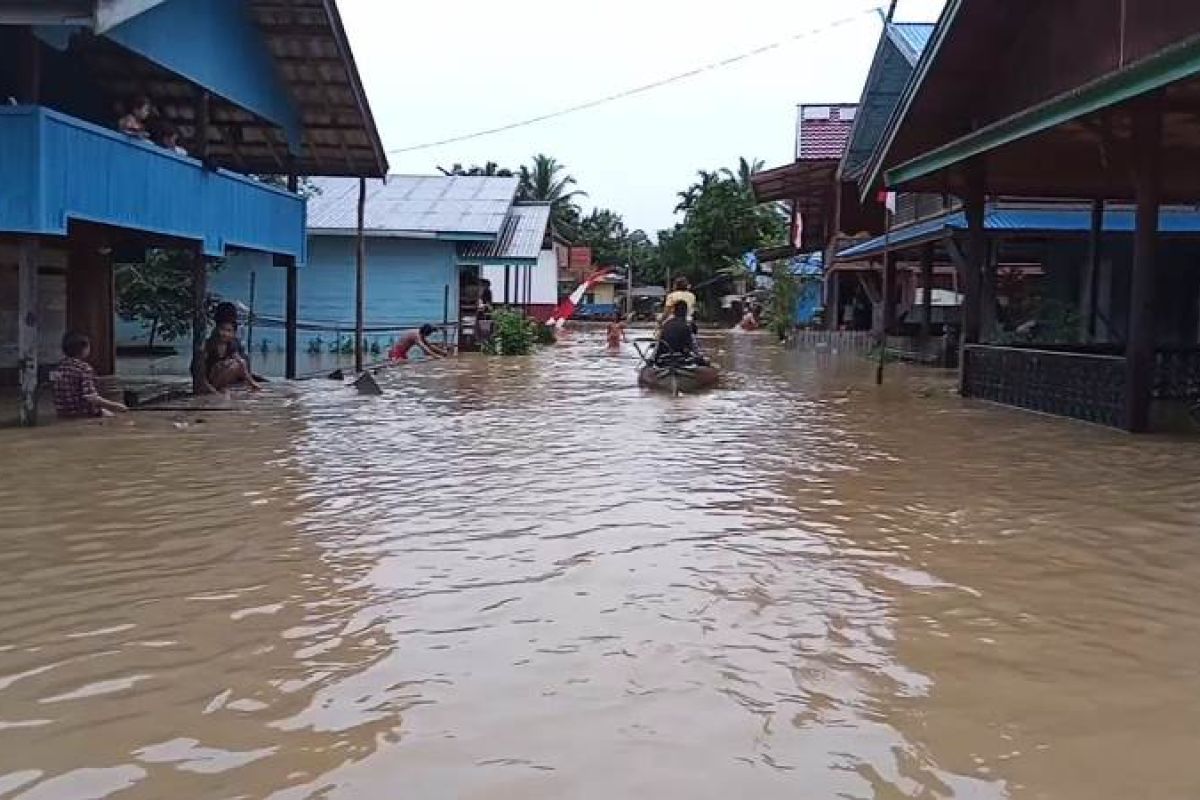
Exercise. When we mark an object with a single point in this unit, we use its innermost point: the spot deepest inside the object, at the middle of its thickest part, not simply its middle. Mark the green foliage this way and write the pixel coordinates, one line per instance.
(491, 168)
(543, 180)
(513, 334)
(316, 345)
(304, 184)
(158, 294)
(782, 306)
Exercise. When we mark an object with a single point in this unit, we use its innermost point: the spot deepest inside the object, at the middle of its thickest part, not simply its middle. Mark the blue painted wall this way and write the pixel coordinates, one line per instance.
(406, 280)
(54, 168)
(216, 44)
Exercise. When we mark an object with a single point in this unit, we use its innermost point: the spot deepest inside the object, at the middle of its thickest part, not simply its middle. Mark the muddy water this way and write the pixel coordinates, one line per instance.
(526, 579)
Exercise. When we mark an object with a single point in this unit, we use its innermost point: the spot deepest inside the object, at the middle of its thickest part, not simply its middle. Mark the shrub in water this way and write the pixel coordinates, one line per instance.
(512, 334)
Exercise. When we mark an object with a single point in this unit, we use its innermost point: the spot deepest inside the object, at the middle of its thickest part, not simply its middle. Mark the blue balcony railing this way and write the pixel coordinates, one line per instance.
(54, 169)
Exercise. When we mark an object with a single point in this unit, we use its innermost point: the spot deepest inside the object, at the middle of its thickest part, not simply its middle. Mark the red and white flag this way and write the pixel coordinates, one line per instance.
(567, 307)
(888, 199)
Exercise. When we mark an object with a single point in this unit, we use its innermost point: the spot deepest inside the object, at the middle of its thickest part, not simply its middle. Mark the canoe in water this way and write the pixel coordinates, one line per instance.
(682, 379)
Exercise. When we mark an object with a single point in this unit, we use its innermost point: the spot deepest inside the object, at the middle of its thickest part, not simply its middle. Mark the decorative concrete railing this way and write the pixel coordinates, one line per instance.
(55, 169)
(1084, 386)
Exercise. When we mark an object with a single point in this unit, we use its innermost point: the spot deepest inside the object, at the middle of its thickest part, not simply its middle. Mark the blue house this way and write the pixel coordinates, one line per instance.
(254, 88)
(428, 241)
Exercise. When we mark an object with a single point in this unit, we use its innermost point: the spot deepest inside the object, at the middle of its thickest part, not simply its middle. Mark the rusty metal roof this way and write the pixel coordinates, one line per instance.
(521, 237)
(415, 206)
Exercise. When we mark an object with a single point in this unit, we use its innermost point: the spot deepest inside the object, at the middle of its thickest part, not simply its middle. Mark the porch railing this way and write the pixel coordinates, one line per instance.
(1177, 374)
(1084, 386)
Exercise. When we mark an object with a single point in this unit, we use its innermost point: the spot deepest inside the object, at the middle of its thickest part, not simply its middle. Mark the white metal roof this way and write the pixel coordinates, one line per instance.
(414, 206)
(521, 237)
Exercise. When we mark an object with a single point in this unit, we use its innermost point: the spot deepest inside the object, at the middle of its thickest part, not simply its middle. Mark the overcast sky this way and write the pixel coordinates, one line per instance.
(435, 69)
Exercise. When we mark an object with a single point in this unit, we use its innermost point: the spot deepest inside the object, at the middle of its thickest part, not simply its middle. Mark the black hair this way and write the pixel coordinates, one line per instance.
(74, 343)
(682, 284)
(426, 330)
(225, 312)
(680, 309)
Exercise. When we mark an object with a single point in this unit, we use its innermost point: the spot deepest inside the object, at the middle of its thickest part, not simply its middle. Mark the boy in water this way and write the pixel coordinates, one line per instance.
(225, 361)
(616, 334)
(420, 340)
(75, 393)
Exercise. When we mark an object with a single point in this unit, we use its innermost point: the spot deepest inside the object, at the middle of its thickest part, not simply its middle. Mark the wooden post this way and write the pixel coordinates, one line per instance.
(203, 123)
(446, 315)
(28, 324)
(1091, 282)
(250, 321)
(291, 300)
(507, 271)
(833, 290)
(360, 276)
(1147, 148)
(30, 68)
(889, 293)
(987, 291)
(927, 253)
(199, 318)
(977, 247)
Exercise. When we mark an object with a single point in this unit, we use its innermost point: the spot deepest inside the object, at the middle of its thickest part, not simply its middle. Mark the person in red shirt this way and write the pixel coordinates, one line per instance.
(418, 339)
(75, 393)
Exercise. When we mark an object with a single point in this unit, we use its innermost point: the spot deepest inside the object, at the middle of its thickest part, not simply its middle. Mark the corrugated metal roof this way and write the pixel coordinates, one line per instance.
(1025, 220)
(521, 237)
(911, 38)
(890, 73)
(420, 205)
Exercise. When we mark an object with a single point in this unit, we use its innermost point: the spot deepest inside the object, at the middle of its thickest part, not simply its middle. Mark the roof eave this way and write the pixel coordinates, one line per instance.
(343, 43)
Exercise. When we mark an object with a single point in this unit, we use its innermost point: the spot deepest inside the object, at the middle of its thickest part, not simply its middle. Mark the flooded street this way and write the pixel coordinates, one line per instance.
(527, 578)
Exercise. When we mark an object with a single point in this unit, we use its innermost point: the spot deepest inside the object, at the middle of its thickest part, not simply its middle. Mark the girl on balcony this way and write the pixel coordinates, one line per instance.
(135, 122)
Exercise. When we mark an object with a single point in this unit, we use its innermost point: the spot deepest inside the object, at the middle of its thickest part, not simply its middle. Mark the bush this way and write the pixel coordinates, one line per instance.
(513, 334)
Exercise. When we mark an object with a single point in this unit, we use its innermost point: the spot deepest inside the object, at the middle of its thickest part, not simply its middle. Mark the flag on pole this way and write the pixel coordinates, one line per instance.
(888, 199)
(567, 307)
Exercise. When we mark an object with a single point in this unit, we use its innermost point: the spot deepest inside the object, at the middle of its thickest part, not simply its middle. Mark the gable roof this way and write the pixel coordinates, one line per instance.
(521, 236)
(414, 206)
(822, 131)
(900, 48)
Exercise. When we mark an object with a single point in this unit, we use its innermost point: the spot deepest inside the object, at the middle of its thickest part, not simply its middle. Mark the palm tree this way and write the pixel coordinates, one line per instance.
(689, 197)
(490, 169)
(541, 182)
(745, 172)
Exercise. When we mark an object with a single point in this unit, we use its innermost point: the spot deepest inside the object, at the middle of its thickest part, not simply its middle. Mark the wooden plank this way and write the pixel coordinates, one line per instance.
(91, 298)
(28, 324)
(1148, 136)
(360, 276)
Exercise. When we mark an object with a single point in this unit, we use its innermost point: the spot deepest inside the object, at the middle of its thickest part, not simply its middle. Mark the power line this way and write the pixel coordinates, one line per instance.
(648, 87)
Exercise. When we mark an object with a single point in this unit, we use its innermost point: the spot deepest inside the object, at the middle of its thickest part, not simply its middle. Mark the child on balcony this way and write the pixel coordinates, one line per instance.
(134, 123)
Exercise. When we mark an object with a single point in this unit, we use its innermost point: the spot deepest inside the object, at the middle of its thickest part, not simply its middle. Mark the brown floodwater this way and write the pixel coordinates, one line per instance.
(528, 579)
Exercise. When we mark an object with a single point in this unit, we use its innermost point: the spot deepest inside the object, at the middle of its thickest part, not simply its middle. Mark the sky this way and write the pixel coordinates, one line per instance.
(436, 70)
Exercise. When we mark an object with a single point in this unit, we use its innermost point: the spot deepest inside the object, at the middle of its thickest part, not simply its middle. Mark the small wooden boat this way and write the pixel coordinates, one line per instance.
(678, 378)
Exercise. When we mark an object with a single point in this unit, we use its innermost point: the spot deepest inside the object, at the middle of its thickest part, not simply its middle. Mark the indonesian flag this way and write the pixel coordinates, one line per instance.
(567, 307)
(888, 199)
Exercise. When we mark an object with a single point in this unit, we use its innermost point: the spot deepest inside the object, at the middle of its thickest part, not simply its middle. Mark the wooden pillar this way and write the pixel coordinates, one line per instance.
(199, 318)
(833, 302)
(977, 247)
(1090, 301)
(29, 79)
(28, 258)
(1147, 148)
(203, 123)
(360, 276)
(91, 298)
(889, 294)
(987, 291)
(927, 253)
(291, 300)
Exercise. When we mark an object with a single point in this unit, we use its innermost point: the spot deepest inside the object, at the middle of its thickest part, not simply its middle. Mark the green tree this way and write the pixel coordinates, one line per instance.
(490, 169)
(158, 294)
(691, 195)
(746, 170)
(604, 232)
(545, 180)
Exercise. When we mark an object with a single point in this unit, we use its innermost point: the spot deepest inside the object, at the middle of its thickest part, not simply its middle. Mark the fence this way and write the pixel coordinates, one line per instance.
(1080, 385)
(837, 341)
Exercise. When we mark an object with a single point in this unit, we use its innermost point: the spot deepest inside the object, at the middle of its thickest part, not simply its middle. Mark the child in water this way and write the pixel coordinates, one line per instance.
(75, 393)
(616, 334)
(420, 340)
(225, 361)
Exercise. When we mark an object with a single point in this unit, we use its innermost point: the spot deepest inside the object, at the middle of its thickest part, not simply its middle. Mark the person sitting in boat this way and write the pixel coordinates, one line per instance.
(677, 340)
(225, 363)
(420, 340)
(682, 294)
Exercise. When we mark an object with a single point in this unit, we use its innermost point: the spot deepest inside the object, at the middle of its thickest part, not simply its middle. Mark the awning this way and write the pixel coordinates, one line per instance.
(811, 186)
(1017, 221)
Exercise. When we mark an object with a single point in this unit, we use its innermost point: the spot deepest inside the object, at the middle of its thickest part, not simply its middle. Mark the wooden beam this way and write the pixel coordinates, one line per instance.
(977, 246)
(203, 123)
(927, 253)
(1139, 355)
(29, 259)
(292, 299)
(30, 68)
(1091, 276)
(888, 317)
(360, 276)
(199, 319)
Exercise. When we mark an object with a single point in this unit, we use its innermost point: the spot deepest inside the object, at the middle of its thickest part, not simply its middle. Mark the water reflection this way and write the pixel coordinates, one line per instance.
(527, 578)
